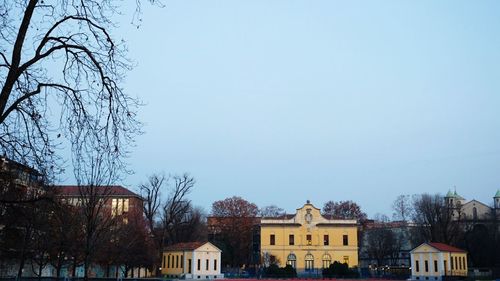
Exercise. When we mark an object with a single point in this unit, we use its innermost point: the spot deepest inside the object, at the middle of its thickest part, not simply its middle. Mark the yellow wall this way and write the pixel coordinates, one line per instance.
(317, 227)
(176, 262)
(425, 253)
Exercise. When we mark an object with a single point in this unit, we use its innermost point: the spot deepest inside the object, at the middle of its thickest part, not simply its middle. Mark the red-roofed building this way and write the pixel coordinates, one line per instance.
(446, 248)
(119, 201)
(192, 260)
(435, 261)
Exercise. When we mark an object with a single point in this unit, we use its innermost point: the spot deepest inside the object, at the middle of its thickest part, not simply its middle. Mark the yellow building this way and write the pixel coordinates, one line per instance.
(193, 260)
(308, 241)
(433, 261)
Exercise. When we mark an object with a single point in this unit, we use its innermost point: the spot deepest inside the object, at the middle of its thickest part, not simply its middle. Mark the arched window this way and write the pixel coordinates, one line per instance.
(474, 213)
(292, 260)
(327, 260)
(309, 262)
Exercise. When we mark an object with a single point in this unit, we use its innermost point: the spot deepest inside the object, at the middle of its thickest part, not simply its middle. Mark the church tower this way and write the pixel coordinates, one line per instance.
(454, 201)
(496, 199)
(496, 203)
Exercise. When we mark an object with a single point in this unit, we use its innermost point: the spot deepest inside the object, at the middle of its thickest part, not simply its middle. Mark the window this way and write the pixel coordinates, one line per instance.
(452, 263)
(119, 206)
(456, 263)
(346, 260)
(445, 268)
(309, 239)
(465, 262)
(291, 239)
(125, 205)
(164, 261)
(206, 264)
(291, 260)
(182, 261)
(168, 261)
(190, 264)
(215, 264)
(309, 262)
(199, 264)
(417, 267)
(114, 207)
(272, 240)
(327, 260)
(474, 213)
(326, 240)
(435, 266)
(345, 240)
(177, 261)
(426, 266)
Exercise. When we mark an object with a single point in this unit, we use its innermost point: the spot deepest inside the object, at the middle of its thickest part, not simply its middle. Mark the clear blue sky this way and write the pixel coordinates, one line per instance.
(282, 101)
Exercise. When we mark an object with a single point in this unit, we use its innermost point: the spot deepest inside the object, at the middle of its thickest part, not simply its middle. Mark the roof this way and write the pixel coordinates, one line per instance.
(497, 194)
(9, 163)
(281, 217)
(105, 190)
(454, 195)
(186, 246)
(445, 247)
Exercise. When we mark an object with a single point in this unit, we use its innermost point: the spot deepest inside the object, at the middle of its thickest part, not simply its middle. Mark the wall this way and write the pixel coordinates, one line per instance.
(317, 226)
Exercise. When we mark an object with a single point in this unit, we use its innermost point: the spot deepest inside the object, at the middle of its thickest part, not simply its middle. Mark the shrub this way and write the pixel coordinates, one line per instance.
(338, 269)
(275, 271)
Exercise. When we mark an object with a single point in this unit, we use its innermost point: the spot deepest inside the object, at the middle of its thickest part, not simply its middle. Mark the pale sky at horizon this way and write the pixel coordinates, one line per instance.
(282, 101)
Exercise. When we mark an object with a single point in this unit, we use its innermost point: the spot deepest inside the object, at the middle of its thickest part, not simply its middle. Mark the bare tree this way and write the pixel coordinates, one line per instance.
(381, 218)
(402, 207)
(233, 221)
(167, 218)
(177, 205)
(60, 76)
(151, 193)
(344, 210)
(94, 175)
(434, 218)
(271, 211)
(65, 234)
(380, 241)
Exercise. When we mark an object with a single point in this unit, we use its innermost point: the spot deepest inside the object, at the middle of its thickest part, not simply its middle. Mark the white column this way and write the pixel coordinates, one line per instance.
(219, 262)
(184, 264)
(194, 262)
(440, 264)
(431, 265)
(422, 264)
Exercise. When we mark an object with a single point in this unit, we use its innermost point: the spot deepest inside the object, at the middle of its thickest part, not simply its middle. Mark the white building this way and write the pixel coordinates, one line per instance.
(192, 260)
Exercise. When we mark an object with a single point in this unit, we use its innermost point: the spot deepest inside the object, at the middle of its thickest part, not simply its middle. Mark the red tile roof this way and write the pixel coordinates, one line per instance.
(108, 190)
(445, 248)
(186, 246)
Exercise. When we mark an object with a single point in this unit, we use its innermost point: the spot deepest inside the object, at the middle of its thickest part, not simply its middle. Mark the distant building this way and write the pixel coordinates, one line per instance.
(435, 261)
(376, 257)
(308, 241)
(119, 201)
(473, 210)
(192, 260)
(18, 181)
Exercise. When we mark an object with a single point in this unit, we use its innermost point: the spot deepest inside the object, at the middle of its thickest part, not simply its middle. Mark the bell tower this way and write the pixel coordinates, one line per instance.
(496, 201)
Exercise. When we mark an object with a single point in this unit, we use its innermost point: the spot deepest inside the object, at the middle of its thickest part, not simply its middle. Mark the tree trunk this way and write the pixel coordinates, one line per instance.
(58, 269)
(22, 260)
(40, 269)
(16, 56)
(73, 274)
